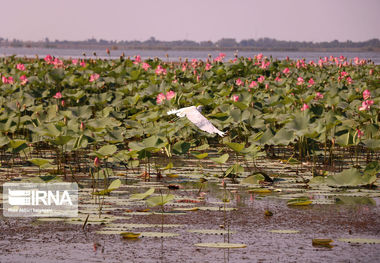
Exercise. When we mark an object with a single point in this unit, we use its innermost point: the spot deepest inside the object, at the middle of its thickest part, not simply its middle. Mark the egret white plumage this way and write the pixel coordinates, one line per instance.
(194, 115)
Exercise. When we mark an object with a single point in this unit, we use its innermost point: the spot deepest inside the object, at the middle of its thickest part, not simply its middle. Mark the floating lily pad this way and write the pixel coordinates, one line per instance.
(130, 235)
(299, 201)
(216, 208)
(51, 219)
(220, 245)
(284, 231)
(324, 242)
(211, 231)
(186, 209)
(133, 225)
(260, 191)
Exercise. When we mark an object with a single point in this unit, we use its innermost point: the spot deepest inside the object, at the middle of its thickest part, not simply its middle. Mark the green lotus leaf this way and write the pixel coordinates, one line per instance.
(221, 159)
(159, 200)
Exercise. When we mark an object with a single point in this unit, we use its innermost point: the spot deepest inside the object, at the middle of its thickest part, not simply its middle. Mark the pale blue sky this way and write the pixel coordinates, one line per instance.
(199, 20)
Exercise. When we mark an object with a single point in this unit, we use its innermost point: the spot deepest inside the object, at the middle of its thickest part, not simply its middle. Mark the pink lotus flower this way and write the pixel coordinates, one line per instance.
(277, 79)
(304, 107)
(82, 63)
(194, 63)
(170, 94)
(318, 96)
(239, 82)
(360, 133)
(94, 77)
(371, 71)
(235, 98)
(58, 95)
(253, 84)
(96, 162)
(366, 94)
(349, 80)
(300, 81)
(137, 60)
(264, 64)
(160, 70)
(311, 82)
(259, 56)
(75, 61)
(160, 98)
(220, 57)
(23, 80)
(208, 66)
(4, 80)
(261, 79)
(145, 66)
(286, 71)
(366, 105)
(48, 59)
(57, 63)
(10, 80)
(20, 67)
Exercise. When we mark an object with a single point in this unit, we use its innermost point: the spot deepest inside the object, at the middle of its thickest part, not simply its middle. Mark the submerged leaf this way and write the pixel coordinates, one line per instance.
(221, 245)
(143, 195)
(159, 200)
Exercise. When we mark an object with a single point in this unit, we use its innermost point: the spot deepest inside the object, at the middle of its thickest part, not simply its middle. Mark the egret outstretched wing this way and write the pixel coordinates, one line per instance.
(198, 119)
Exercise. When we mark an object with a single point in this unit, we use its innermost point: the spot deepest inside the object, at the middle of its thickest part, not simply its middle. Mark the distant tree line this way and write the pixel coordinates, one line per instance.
(222, 44)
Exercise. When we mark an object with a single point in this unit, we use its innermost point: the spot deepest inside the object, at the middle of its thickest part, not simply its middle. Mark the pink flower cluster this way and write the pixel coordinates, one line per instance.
(161, 97)
(94, 77)
(56, 61)
(235, 98)
(359, 133)
(137, 60)
(81, 63)
(220, 57)
(145, 66)
(238, 82)
(344, 76)
(318, 96)
(20, 67)
(6, 80)
(304, 107)
(160, 70)
(366, 104)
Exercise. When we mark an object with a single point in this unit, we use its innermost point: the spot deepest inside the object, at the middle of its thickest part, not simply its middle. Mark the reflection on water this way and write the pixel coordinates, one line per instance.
(174, 55)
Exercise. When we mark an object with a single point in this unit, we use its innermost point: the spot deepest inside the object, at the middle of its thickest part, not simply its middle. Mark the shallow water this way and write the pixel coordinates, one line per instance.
(173, 55)
(358, 215)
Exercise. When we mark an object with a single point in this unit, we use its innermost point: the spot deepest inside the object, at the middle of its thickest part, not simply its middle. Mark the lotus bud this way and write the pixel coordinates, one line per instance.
(108, 51)
(96, 162)
(63, 103)
(18, 105)
(224, 184)
(82, 126)
(371, 71)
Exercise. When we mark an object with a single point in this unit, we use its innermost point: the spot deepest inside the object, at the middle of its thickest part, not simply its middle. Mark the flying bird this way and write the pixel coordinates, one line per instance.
(194, 115)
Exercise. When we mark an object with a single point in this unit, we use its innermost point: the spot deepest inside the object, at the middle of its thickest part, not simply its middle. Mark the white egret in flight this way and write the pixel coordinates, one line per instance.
(194, 115)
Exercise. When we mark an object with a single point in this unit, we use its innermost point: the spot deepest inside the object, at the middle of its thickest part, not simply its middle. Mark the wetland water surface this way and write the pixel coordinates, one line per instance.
(286, 236)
